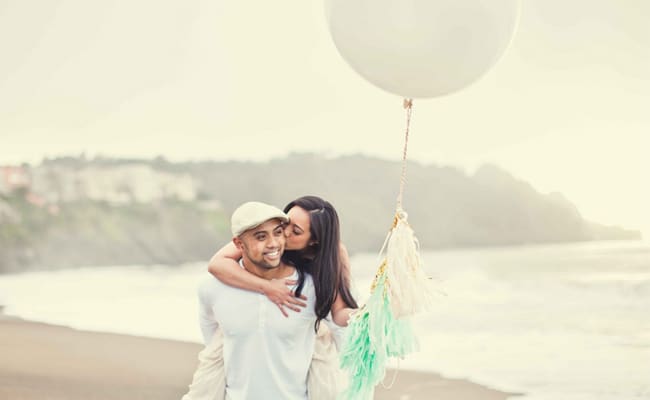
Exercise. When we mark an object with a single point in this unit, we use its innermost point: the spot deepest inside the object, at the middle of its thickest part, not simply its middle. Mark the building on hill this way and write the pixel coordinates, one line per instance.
(13, 178)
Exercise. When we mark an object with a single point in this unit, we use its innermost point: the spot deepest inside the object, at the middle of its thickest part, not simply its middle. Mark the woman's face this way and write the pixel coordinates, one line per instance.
(297, 230)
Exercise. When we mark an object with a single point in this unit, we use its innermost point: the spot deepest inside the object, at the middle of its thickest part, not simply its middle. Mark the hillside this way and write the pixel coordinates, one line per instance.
(73, 211)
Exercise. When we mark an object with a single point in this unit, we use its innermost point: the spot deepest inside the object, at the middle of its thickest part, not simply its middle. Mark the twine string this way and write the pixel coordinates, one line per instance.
(408, 105)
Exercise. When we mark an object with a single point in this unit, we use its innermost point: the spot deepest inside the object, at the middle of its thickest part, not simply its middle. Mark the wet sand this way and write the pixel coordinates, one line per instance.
(40, 361)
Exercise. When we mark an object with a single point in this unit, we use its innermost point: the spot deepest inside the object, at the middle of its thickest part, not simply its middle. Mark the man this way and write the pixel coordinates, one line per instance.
(266, 355)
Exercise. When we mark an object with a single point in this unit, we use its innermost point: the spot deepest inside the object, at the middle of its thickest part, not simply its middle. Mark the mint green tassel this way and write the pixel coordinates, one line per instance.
(381, 315)
(363, 354)
(372, 337)
(401, 339)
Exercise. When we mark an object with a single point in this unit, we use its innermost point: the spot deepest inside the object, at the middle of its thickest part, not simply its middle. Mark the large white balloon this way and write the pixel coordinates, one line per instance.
(422, 48)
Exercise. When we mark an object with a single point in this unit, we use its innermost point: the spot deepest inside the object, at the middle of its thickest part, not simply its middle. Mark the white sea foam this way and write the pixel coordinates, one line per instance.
(555, 322)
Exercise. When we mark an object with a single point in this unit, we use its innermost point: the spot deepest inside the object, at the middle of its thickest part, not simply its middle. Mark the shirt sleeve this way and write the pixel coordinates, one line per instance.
(207, 321)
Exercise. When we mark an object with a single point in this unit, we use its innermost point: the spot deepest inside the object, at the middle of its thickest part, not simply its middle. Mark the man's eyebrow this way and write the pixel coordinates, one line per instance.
(280, 225)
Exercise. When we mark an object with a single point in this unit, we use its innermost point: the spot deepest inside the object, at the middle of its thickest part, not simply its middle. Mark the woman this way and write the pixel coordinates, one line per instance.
(312, 246)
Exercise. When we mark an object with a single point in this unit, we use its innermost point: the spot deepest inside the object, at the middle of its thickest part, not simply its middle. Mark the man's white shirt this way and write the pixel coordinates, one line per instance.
(266, 355)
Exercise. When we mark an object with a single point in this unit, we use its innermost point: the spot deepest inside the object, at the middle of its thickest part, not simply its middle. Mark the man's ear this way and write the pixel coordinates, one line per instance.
(238, 243)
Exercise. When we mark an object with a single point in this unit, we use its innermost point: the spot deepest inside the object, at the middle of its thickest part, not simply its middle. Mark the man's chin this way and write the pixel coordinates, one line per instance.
(269, 265)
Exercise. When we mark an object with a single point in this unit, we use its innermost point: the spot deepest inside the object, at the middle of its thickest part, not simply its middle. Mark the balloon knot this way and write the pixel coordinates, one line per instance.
(400, 215)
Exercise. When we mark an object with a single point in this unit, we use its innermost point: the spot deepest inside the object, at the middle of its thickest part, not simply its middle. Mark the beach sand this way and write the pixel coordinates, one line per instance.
(40, 361)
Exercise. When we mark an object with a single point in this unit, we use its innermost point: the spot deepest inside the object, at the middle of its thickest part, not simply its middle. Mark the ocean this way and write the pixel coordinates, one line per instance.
(556, 322)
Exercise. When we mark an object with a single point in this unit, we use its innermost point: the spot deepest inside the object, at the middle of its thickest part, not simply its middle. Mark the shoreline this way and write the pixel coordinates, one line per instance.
(642, 240)
(42, 360)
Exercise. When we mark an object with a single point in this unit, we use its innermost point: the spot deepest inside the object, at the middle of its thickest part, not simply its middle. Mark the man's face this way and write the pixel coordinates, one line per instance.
(264, 244)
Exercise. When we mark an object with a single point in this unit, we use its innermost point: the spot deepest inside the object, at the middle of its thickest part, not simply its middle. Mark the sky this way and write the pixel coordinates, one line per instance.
(564, 109)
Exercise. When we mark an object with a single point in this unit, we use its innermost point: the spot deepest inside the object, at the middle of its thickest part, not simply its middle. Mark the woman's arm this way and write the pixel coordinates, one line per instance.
(340, 311)
(345, 262)
(224, 266)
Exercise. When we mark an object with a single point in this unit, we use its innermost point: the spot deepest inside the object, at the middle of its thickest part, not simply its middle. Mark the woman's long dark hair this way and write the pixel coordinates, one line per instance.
(322, 260)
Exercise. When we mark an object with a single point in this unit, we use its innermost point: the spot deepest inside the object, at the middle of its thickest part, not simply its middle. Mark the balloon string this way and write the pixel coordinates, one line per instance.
(392, 382)
(408, 105)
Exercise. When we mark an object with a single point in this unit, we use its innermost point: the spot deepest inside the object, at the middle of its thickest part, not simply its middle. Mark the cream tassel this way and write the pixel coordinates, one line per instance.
(410, 288)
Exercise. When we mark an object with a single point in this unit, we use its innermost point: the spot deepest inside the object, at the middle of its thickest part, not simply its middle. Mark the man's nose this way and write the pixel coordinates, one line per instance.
(274, 241)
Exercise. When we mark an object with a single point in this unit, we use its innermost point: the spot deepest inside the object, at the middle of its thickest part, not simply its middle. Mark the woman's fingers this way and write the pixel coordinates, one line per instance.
(292, 307)
(291, 282)
(295, 301)
(282, 310)
(283, 297)
(284, 306)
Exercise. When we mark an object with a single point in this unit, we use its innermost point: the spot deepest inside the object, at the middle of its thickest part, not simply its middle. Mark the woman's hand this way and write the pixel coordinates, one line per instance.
(278, 292)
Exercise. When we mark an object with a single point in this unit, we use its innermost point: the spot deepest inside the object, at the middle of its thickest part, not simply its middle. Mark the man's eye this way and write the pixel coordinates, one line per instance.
(259, 237)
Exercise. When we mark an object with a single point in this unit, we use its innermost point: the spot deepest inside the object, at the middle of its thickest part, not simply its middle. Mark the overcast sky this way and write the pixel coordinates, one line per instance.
(565, 108)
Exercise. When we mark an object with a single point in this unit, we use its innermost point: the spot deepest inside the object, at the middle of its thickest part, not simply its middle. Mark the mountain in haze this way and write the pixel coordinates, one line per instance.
(74, 211)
